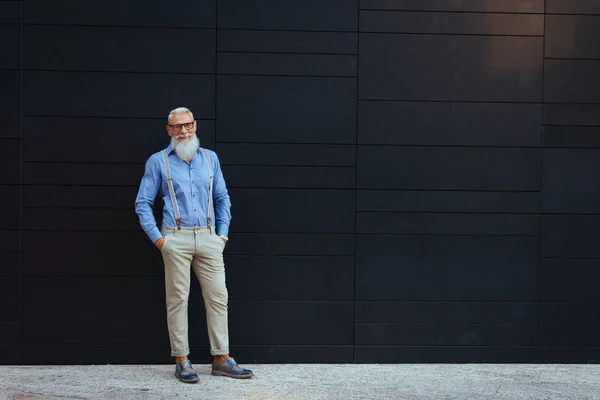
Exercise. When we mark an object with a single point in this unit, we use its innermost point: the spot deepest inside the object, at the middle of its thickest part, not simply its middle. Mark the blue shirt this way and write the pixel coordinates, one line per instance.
(191, 185)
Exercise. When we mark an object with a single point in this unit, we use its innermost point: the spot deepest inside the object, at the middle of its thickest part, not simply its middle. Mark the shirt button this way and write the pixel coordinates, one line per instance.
(194, 209)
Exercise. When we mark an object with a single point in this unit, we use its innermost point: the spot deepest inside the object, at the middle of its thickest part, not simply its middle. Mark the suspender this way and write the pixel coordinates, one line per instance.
(210, 190)
(172, 191)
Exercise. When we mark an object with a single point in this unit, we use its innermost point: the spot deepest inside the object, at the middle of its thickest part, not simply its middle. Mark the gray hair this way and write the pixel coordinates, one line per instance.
(179, 110)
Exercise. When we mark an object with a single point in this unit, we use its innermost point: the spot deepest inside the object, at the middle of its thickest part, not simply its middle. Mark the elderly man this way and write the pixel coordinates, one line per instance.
(194, 231)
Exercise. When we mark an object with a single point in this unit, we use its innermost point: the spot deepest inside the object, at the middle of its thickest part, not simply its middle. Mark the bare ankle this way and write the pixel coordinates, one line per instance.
(221, 358)
(180, 359)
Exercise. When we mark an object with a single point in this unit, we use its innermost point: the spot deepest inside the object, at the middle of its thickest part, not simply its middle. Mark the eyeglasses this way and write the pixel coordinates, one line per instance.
(177, 127)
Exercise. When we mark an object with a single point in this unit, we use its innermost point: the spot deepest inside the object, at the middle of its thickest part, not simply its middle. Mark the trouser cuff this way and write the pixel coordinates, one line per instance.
(219, 352)
(180, 353)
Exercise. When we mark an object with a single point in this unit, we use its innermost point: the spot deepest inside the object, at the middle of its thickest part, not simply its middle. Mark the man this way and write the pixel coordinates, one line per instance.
(193, 191)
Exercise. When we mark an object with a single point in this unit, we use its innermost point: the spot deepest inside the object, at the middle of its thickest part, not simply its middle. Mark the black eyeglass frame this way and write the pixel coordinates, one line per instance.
(187, 125)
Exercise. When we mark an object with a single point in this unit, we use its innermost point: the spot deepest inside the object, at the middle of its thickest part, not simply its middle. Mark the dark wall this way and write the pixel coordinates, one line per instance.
(411, 181)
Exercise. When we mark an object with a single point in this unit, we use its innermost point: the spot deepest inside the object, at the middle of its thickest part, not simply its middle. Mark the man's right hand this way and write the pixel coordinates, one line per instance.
(159, 243)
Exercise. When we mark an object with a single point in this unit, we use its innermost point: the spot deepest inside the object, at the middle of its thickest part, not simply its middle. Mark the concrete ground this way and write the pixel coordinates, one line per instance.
(306, 381)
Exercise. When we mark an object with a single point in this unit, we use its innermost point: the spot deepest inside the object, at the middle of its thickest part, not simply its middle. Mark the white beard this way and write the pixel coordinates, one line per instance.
(186, 150)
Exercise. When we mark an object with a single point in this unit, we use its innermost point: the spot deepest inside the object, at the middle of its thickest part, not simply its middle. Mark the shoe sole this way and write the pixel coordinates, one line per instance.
(221, 373)
(194, 380)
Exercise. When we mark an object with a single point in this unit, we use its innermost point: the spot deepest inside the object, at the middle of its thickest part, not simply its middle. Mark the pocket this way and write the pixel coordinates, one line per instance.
(164, 246)
(221, 241)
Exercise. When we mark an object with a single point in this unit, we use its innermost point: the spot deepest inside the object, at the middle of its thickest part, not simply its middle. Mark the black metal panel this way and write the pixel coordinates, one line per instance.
(565, 324)
(10, 42)
(446, 313)
(10, 241)
(446, 354)
(291, 244)
(10, 12)
(74, 354)
(10, 262)
(569, 354)
(573, 7)
(10, 333)
(67, 139)
(437, 168)
(316, 278)
(78, 310)
(10, 207)
(293, 211)
(572, 114)
(72, 219)
(572, 36)
(10, 161)
(569, 280)
(452, 23)
(90, 254)
(286, 109)
(453, 124)
(571, 136)
(287, 64)
(292, 354)
(287, 42)
(10, 298)
(186, 14)
(96, 94)
(79, 196)
(118, 354)
(61, 139)
(436, 258)
(447, 224)
(291, 177)
(508, 6)
(567, 187)
(447, 201)
(571, 81)
(445, 335)
(434, 268)
(570, 236)
(79, 48)
(10, 102)
(318, 15)
(10, 354)
(91, 174)
(285, 323)
(476, 68)
(287, 154)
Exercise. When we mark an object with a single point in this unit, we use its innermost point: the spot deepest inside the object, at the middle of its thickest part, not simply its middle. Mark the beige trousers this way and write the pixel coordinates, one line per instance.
(203, 249)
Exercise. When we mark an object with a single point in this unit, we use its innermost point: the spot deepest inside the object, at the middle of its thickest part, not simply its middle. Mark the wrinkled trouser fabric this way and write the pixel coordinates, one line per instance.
(203, 249)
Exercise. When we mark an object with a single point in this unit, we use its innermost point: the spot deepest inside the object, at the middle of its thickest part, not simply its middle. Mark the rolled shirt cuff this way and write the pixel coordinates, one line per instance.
(223, 230)
(154, 234)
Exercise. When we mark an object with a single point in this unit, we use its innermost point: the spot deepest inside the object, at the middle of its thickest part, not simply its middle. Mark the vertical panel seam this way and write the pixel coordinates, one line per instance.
(216, 52)
(21, 193)
(539, 265)
(356, 180)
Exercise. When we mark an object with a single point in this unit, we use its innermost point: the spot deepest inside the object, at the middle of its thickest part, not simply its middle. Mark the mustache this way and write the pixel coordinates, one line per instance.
(184, 135)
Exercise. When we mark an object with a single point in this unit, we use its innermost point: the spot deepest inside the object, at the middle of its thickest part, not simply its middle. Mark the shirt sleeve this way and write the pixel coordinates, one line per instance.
(145, 199)
(221, 200)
